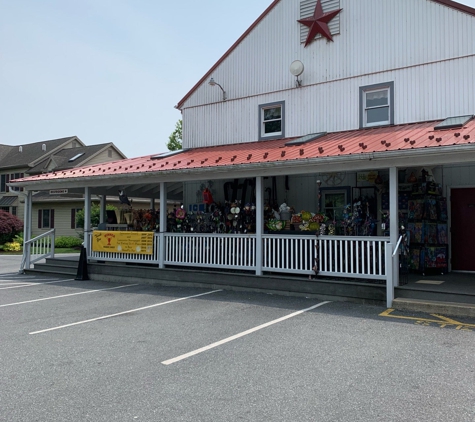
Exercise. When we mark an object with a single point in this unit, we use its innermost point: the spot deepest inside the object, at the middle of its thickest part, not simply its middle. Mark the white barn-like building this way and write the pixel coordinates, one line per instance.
(326, 105)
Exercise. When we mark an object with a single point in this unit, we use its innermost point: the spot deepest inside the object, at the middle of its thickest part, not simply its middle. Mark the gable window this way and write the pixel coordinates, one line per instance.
(271, 120)
(46, 219)
(377, 105)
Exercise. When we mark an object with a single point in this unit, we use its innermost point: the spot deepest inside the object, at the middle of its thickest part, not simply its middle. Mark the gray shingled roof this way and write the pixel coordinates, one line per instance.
(62, 157)
(10, 156)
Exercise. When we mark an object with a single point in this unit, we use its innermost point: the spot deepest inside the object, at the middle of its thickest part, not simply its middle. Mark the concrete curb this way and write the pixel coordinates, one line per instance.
(434, 307)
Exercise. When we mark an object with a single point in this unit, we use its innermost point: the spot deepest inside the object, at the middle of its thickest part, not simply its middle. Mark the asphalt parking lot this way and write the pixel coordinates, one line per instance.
(99, 351)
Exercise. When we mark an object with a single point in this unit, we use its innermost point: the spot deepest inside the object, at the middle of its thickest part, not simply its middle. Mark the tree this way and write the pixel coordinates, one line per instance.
(95, 215)
(10, 225)
(175, 141)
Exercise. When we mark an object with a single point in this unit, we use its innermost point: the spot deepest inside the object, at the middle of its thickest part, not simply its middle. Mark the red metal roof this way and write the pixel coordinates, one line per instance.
(449, 3)
(406, 137)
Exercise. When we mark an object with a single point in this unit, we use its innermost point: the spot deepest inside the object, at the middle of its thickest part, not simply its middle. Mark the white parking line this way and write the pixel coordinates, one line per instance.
(70, 294)
(35, 284)
(123, 313)
(236, 336)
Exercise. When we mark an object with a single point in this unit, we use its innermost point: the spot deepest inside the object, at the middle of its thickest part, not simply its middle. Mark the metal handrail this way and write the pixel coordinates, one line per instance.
(397, 246)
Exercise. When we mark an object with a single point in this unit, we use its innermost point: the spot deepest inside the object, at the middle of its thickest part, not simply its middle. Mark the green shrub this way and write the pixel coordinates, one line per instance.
(18, 238)
(67, 242)
(12, 247)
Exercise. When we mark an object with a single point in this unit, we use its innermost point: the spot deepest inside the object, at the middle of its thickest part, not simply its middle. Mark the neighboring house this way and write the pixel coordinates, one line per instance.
(316, 102)
(55, 209)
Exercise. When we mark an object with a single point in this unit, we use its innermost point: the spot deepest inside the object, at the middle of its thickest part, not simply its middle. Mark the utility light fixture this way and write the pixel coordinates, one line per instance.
(212, 82)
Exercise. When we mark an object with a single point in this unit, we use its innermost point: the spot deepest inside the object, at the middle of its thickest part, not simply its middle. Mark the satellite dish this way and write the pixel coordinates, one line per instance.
(296, 68)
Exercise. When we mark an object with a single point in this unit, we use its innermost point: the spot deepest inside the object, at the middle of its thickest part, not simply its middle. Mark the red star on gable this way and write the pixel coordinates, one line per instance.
(318, 23)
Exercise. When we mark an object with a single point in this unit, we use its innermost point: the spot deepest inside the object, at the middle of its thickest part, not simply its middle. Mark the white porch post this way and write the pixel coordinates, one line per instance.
(27, 228)
(87, 217)
(259, 223)
(163, 224)
(393, 227)
(102, 218)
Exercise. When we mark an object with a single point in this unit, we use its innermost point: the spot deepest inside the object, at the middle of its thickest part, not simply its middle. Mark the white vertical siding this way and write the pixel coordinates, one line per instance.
(379, 41)
(458, 176)
(421, 93)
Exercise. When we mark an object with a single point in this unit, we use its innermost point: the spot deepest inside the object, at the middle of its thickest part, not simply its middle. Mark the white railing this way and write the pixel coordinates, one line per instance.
(124, 257)
(358, 257)
(211, 250)
(38, 248)
(337, 256)
(289, 254)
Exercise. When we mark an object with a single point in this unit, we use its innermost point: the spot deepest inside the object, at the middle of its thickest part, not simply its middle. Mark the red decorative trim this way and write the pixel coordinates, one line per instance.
(230, 50)
(455, 5)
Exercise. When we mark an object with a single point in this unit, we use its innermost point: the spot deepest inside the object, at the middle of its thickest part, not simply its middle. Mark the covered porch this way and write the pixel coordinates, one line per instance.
(339, 257)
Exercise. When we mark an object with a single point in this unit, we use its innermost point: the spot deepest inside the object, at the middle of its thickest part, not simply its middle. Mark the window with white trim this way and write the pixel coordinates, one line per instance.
(377, 105)
(271, 120)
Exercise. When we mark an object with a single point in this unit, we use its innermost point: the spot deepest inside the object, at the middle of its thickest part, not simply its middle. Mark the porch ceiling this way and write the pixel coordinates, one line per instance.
(145, 191)
(375, 148)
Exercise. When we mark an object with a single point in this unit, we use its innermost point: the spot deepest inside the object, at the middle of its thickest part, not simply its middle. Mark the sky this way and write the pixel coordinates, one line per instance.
(109, 70)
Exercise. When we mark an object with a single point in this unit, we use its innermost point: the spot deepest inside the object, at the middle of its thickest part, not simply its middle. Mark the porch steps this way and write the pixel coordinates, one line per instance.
(435, 307)
(455, 295)
(60, 266)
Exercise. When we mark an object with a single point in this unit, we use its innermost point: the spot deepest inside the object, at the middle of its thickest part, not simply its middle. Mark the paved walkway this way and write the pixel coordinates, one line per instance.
(11, 263)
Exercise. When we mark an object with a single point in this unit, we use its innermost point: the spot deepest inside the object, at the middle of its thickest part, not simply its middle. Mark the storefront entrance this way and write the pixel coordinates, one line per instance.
(463, 229)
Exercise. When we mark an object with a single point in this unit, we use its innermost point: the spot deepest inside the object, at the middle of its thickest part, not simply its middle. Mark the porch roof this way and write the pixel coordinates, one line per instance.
(390, 142)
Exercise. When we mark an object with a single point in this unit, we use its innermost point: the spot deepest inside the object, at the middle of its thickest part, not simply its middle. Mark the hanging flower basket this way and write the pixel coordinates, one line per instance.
(285, 215)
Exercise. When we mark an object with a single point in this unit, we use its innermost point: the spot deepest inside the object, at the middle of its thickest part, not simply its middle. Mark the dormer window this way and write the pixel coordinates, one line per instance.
(377, 105)
(271, 120)
(76, 157)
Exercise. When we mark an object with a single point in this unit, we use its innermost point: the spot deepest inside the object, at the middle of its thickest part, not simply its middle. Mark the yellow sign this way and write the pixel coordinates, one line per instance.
(367, 176)
(122, 242)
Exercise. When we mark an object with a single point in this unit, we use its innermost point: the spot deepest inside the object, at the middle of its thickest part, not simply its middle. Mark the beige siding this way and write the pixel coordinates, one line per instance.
(62, 217)
(103, 157)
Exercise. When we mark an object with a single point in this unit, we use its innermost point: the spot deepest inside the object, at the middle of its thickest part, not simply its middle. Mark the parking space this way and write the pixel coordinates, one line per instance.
(102, 351)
